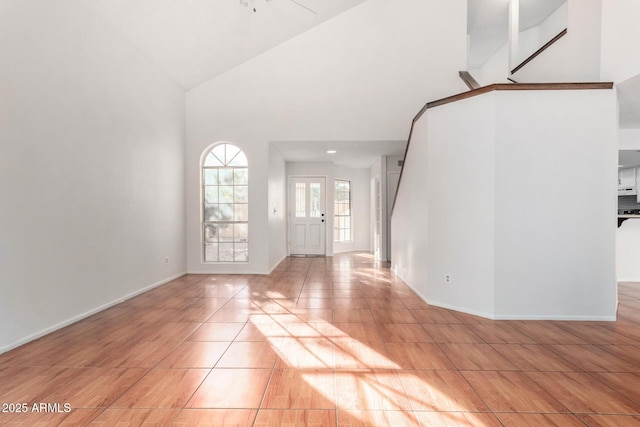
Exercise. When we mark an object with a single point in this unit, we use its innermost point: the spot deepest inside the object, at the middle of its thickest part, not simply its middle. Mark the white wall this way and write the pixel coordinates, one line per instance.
(576, 56)
(556, 155)
(411, 215)
(495, 70)
(91, 169)
(277, 207)
(360, 76)
(528, 42)
(620, 31)
(534, 38)
(360, 213)
(459, 183)
(518, 206)
(629, 139)
(554, 23)
(442, 222)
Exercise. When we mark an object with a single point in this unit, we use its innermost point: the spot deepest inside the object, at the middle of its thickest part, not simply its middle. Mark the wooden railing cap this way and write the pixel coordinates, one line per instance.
(514, 86)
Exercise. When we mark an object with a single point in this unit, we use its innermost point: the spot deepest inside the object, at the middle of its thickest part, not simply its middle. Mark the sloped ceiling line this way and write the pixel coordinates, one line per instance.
(193, 41)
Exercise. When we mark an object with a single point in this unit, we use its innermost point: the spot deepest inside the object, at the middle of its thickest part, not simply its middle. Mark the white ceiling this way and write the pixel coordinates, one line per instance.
(353, 154)
(195, 40)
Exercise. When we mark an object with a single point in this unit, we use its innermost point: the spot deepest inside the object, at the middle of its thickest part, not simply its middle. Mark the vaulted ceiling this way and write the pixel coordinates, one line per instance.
(195, 40)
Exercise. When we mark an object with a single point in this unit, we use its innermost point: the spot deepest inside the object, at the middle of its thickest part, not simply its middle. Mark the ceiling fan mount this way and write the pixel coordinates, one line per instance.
(252, 4)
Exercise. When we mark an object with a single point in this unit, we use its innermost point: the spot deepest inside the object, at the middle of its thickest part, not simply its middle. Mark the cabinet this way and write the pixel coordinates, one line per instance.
(627, 182)
(627, 177)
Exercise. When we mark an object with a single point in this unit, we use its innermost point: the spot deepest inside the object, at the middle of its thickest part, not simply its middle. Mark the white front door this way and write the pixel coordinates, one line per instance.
(307, 216)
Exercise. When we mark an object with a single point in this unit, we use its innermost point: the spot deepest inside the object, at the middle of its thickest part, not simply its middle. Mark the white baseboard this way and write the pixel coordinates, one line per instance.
(492, 316)
(235, 270)
(225, 272)
(86, 314)
(278, 263)
(460, 309)
(555, 317)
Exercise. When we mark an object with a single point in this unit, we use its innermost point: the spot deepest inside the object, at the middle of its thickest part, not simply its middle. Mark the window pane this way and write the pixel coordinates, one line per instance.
(239, 160)
(219, 212)
(314, 200)
(210, 233)
(219, 152)
(211, 212)
(212, 160)
(241, 252)
(211, 252)
(301, 203)
(240, 194)
(226, 232)
(231, 152)
(241, 212)
(211, 194)
(225, 176)
(240, 176)
(226, 251)
(241, 232)
(210, 176)
(226, 194)
(225, 212)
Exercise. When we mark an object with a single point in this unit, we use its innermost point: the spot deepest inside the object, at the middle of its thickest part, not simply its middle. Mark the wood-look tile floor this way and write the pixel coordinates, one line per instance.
(336, 341)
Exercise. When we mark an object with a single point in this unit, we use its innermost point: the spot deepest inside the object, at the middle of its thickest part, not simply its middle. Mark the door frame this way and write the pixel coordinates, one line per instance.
(391, 194)
(327, 208)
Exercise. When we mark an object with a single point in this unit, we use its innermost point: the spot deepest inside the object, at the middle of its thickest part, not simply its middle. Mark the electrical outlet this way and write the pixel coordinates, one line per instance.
(447, 278)
(166, 260)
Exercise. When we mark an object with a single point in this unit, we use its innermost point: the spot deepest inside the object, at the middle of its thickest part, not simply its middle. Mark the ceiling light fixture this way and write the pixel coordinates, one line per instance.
(331, 151)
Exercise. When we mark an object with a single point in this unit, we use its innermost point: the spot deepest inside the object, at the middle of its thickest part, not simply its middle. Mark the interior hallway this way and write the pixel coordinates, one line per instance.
(324, 341)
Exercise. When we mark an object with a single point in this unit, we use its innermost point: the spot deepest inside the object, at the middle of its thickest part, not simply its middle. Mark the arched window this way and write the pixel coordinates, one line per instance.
(225, 205)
